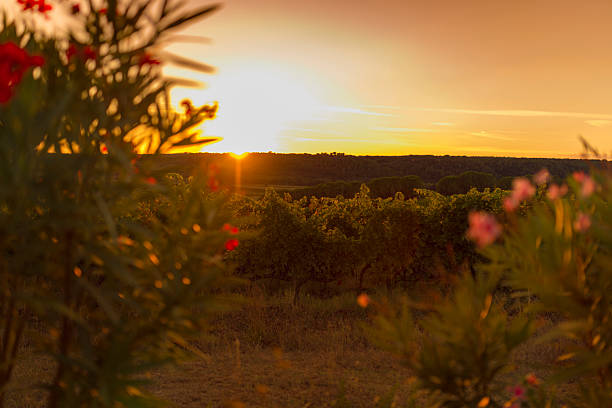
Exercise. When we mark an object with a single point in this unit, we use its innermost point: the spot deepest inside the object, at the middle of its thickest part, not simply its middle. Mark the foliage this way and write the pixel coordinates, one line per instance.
(558, 256)
(362, 242)
(113, 296)
(293, 169)
(566, 258)
(467, 343)
(464, 182)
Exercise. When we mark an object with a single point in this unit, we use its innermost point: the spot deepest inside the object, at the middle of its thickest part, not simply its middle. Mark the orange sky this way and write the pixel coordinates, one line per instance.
(511, 78)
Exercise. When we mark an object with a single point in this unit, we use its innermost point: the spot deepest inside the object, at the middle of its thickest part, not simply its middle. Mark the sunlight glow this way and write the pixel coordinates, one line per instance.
(239, 156)
(255, 106)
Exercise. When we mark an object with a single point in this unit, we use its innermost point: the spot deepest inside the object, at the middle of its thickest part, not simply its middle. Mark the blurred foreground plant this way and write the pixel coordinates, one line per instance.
(106, 296)
(559, 256)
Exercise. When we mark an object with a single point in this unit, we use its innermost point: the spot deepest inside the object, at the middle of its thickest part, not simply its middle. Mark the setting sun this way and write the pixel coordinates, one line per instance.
(256, 104)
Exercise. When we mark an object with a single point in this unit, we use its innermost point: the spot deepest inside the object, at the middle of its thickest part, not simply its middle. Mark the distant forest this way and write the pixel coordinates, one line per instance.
(303, 170)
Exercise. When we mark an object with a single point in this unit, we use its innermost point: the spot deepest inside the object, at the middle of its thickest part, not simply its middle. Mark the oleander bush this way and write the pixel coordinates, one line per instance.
(85, 278)
(559, 259)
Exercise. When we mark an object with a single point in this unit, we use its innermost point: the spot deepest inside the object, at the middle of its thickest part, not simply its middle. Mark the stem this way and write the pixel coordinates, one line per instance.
(67, 327)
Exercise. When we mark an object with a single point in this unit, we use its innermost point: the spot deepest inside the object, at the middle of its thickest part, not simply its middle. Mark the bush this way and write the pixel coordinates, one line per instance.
(114, 296)
(559, 256)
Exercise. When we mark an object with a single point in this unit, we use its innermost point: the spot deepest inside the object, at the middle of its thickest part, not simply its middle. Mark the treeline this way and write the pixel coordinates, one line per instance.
(311, 169)
(386, 187)
(383, 187)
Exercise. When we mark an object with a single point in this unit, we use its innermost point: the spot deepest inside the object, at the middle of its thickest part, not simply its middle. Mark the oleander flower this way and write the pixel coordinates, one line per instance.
(231, 244)
(484, 228)
(147, 59)
(555, 192)
(541, 177)
(582, 223)
(522, 189)
(14, 62)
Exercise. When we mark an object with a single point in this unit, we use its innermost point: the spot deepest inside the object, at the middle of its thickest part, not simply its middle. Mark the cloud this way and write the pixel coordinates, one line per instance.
(489, 135)
(401, 130)
(391, 107)
(357, 111)
(442, 123)
(521, 113)
(598, 122)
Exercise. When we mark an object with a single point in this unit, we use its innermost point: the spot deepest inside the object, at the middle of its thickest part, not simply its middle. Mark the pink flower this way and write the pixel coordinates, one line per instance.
(582, 223)
(555, 192)
(510, 204)
(588, 186)
(484, 228)
(522, 189)
(579, 176)
(541, 177)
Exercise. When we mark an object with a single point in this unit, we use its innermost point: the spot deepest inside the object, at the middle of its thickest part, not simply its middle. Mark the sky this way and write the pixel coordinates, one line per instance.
(486, 78)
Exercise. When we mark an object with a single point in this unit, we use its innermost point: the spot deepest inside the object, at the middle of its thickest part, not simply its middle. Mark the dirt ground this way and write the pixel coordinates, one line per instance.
(270, 378)
(277, 355)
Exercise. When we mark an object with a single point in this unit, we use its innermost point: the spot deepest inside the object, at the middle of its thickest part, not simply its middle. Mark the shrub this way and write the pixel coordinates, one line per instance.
(114, 296)
(559, 256)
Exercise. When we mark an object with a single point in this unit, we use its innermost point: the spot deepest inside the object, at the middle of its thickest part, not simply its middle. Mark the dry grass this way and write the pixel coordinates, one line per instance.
(270, 353)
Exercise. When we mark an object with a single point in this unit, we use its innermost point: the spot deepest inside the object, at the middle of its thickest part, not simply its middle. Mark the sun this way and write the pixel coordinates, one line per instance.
(256, 104)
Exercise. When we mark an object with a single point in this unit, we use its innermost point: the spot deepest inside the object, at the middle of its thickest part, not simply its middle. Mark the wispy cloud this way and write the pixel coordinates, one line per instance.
(442, 123)
(385, 107)
(401, 129)
(521, 113)
(352, 140)
(357, 111)
(598, 122)
(489, 135)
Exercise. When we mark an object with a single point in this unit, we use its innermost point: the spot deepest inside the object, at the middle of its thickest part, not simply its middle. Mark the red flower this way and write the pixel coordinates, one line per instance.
(231, 229)
(231, 244)
(42, 6)
(76, 8)
(151, 180)
(14, 62)
(213, 184)
(518, 392)
(86, 54)
(147, 59)
(28, 4)
(89, 53)
(37, 61)
(186, 103)
(531, 379)
(71, 51)
(103, 10)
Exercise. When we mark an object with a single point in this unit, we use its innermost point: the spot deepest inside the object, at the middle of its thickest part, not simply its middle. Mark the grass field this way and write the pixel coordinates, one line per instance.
(271, 353)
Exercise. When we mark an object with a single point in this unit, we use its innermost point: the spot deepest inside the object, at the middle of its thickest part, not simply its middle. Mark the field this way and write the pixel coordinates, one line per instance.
(272, 353)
